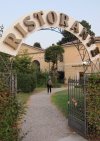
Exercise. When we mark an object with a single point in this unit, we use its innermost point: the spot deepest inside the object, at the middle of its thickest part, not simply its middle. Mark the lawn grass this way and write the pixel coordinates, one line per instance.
(60, 99)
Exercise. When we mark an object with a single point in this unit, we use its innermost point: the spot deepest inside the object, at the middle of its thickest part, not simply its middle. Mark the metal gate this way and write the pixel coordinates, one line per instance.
(77, 106)
(9, 81)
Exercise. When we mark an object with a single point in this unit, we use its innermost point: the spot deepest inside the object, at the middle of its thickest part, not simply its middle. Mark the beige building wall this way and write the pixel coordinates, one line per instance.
(71, 65)
(36, 54)
(71, 58)
(72, 61)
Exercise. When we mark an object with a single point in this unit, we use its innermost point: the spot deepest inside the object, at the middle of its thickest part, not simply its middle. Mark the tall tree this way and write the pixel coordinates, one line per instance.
(54, 54)
(87, 26)
(22, 64)
(68, 37)
(37, 45)
(24, 69)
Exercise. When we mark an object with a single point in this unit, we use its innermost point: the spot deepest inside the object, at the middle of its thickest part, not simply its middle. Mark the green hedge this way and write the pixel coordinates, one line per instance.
(10, 113)
(93, 106)
(25, 82)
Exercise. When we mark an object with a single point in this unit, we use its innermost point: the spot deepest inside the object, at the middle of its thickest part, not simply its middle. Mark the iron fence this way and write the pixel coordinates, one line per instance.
(77, 106)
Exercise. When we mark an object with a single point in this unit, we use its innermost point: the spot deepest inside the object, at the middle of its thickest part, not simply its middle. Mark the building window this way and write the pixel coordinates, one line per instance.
(37, 64)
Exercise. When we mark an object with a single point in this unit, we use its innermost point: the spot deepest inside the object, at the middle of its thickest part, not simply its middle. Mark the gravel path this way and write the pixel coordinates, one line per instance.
(43, 121)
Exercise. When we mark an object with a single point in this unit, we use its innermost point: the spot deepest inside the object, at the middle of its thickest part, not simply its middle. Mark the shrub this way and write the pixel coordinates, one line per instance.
(26, 82)
(10, 113)
(93, 106)
(41, 78)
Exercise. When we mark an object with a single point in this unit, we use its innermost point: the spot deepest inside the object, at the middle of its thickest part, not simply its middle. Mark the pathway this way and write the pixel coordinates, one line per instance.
(44, 122)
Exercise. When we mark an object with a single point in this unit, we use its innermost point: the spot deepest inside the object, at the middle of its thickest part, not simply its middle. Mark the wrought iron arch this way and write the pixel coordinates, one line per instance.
(42, 20)
(94, 66)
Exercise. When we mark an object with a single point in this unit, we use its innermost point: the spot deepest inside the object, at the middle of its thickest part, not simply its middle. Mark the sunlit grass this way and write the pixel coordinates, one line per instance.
(60, 99)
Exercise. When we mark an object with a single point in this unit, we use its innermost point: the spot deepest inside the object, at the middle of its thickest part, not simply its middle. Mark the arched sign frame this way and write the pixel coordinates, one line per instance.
(12, 39)
(88, 65)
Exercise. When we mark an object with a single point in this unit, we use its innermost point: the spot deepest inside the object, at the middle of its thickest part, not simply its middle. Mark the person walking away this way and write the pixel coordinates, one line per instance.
(49, 86)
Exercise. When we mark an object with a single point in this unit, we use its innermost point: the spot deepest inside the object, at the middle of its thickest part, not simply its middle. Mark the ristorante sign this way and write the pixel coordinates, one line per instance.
(12, 39)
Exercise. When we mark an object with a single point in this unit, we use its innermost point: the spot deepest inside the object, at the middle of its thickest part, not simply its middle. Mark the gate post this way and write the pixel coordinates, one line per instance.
(13, 83)
(85, 109)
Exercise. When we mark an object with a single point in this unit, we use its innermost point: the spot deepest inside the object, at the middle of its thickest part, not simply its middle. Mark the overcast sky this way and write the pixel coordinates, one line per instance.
(89, 10)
